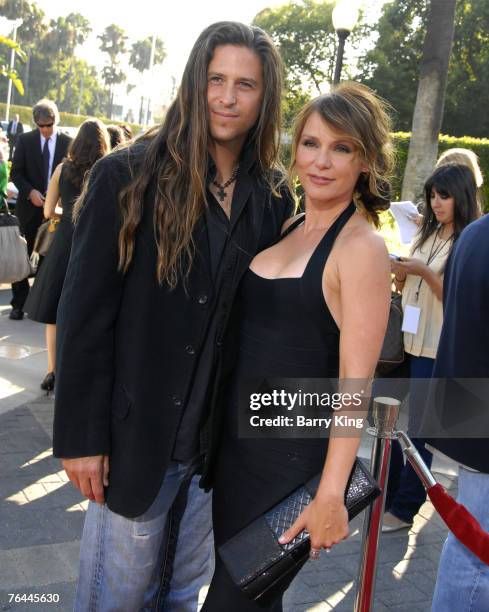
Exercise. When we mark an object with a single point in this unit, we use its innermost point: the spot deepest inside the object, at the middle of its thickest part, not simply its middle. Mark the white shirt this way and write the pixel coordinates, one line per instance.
(51, 147)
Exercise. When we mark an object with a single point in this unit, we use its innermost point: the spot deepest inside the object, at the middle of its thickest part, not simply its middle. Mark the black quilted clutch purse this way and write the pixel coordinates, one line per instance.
(254, 558)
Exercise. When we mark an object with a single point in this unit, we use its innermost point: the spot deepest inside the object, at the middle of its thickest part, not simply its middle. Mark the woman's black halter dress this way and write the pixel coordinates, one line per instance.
(287, 331)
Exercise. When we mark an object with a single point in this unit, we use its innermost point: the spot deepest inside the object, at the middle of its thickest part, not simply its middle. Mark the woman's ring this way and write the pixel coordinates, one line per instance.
(314, 554)
(328, 550)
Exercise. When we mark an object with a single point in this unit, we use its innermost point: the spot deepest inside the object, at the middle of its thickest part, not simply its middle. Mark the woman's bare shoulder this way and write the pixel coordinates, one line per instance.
(361, 243)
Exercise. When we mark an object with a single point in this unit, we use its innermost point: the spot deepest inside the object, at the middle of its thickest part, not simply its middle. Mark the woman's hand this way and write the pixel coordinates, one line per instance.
(416, 218)
(326, 521)
(408, 265)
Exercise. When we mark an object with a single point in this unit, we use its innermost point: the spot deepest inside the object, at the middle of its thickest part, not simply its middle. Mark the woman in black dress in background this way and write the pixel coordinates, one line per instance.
(91, 143)
(314, 305)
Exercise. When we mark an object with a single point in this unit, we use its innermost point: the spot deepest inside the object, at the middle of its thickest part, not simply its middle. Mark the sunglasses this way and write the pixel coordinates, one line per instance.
(44, 125)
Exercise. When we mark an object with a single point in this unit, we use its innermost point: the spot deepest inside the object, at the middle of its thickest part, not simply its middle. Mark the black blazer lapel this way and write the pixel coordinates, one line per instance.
(37, 151)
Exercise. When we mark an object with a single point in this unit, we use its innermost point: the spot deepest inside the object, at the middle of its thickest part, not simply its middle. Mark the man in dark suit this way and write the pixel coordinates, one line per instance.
(14, 129)
(37, 154)
(168, 226)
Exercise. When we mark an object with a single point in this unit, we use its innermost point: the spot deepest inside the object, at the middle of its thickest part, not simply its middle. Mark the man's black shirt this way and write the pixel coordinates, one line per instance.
(224, 238)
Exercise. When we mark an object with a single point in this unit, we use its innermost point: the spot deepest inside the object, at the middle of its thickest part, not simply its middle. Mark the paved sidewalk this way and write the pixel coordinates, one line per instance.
(41, 514)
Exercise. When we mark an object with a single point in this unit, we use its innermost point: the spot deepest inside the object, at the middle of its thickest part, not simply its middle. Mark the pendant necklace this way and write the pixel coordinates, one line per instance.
(221, 194)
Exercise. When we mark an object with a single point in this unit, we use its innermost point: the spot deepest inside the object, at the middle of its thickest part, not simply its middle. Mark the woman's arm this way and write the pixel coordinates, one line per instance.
(411, 265)
(52, 195)
(364, 280)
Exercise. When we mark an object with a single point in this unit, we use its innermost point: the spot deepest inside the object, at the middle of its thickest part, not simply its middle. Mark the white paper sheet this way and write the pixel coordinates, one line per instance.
(403, 211)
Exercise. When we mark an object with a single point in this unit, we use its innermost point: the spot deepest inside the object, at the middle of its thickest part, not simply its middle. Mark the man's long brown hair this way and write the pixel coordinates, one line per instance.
(177, 154)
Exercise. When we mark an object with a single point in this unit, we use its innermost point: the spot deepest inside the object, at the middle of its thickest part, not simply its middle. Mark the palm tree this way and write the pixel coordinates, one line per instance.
(140, 59)
(113, 42)
(428, 112)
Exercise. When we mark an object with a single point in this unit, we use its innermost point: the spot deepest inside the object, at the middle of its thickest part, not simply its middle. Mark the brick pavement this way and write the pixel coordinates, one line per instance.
(41, 518)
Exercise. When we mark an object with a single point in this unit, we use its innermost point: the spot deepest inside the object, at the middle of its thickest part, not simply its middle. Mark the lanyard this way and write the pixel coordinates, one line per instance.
(433, 253)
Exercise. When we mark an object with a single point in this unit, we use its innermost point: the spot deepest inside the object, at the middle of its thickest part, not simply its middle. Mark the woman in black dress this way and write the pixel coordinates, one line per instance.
(313, 305)
(91, 143)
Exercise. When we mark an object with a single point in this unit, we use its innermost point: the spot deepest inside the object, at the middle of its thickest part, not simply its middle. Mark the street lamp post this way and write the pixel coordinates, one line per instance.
(15, 24)
(345, 16)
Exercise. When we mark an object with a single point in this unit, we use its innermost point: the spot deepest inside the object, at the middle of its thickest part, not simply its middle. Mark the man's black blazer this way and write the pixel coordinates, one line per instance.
(463, 351)
(27, 171)
(20, 129)
(124, 370)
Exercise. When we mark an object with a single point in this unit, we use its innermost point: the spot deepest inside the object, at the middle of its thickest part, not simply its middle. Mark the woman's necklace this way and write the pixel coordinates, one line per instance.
(433, 253)
(221, 194)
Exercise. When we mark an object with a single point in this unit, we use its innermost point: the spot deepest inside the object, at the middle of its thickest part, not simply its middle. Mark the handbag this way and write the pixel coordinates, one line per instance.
(44, 239)
(254, 558)
(14, 258)
(44, 236)
(392, 353)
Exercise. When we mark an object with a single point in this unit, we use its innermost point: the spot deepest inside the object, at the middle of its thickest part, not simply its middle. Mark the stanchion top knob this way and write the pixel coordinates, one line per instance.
(385, 411)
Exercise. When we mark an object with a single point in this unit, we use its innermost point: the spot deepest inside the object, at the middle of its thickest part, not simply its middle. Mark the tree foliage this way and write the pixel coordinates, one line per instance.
(113, 43)
(52, 67)
(304, 34)
(5, 71)
(141, 53)
(392, 66)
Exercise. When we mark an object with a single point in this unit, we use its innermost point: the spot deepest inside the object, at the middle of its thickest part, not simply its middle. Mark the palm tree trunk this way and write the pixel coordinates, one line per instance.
(430, 101)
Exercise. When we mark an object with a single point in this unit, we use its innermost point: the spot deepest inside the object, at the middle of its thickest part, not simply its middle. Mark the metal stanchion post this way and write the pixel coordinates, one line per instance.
(385, 412)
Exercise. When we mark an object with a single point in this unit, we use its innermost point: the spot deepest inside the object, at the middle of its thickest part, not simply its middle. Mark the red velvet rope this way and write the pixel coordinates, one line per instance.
(461, 523)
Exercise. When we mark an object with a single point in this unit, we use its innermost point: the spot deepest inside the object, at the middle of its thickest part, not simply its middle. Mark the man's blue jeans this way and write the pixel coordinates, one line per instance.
(157, 561)
(462, 584)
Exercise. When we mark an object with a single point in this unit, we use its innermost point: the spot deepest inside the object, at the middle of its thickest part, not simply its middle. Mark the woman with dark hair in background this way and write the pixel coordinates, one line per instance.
(451, 203)
(91, 143)
(116, 135)
(313, 305)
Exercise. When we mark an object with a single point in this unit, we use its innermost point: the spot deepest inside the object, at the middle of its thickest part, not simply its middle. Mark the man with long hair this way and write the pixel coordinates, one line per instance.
(168, 225)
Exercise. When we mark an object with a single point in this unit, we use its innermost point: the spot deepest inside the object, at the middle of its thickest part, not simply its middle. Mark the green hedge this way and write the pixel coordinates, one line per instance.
(480, 146)
(66, 119)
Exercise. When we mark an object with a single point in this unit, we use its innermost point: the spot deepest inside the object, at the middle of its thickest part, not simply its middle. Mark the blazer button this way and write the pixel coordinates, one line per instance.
(203, 299)
(190, 349)
(176, 401)
(218, 343)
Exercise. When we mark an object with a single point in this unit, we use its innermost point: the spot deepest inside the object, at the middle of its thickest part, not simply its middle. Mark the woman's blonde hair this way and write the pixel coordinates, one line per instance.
(466, 157)
(356, 111)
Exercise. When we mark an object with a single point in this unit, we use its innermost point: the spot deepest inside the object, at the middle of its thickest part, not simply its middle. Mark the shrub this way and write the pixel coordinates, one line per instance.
(66, 119)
